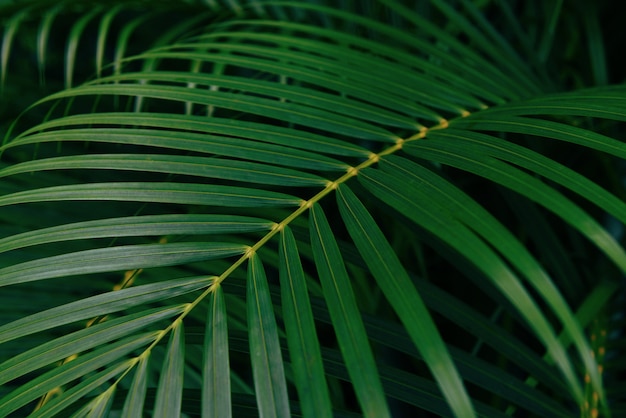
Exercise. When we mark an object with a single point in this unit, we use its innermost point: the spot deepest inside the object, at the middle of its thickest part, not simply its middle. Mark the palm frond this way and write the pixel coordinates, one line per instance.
(294, 209)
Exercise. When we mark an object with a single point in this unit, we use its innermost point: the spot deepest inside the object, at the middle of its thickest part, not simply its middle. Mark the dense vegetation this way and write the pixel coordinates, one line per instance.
(312, 208)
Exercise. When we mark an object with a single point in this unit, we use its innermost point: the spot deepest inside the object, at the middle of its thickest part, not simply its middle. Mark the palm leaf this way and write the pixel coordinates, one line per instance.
(79, 341)
(216, 399)
(267, 364)
(170, 390)
(97, 407)
(301, 335)
(133, 405)
(381, 259)
(343, 310)
(402, 183)
(72, 370)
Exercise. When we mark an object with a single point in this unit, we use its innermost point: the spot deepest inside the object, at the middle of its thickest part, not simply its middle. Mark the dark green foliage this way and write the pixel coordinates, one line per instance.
(312, 208)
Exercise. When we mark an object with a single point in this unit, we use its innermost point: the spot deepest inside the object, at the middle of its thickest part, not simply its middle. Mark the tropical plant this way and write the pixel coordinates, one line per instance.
(307, 208)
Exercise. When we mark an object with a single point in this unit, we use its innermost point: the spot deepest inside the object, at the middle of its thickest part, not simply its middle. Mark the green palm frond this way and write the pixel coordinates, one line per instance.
(301, 208)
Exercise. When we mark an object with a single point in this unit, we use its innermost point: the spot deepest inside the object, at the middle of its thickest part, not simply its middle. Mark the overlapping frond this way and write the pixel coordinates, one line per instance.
(293, 203)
